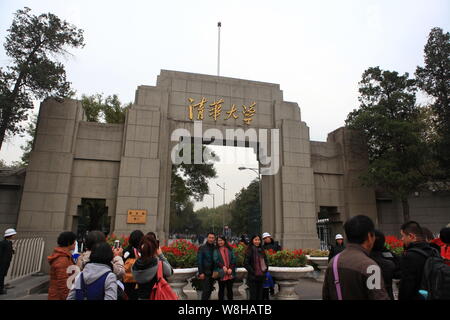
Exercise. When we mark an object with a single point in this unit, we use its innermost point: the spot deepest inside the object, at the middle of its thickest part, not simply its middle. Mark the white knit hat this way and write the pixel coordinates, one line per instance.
(10, 232)
(339, 236)
(266, 234)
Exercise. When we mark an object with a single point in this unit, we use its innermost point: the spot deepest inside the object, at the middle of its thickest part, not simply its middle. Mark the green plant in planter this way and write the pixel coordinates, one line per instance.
(319, 253)
(239, 252)
(287, 258)
(181, 254)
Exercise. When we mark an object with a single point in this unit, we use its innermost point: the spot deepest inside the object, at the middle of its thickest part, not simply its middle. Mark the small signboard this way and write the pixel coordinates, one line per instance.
(137, 216)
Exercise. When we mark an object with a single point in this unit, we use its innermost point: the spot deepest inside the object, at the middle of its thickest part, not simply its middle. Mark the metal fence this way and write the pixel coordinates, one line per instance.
(27, 258)
(324, 233)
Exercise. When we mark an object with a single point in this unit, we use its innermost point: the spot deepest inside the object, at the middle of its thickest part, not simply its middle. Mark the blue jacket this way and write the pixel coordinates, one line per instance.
(268, 283)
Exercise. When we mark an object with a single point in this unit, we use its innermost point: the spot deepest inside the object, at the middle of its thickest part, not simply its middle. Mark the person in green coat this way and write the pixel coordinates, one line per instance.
(225, 266)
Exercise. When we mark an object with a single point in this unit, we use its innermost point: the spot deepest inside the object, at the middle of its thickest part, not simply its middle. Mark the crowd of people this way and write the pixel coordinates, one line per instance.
(423, 269)
(115, 273)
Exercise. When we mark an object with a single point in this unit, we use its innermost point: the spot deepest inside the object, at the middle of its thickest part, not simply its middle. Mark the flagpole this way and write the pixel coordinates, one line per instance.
(219, 24)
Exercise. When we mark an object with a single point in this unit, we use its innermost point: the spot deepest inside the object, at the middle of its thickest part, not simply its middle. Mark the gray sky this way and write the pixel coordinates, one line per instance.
(316, 50)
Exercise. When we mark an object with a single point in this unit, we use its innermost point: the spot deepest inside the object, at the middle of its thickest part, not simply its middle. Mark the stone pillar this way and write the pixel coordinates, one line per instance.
(358, 199)
(47, 184)
(139, 175)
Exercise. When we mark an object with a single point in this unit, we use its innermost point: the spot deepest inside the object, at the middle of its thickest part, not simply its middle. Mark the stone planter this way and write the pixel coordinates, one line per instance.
(179, 280)
(287, 279)
(322, 264)
(241, 273)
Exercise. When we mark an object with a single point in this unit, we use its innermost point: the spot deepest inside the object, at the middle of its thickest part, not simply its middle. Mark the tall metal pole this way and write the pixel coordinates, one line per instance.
(214, 210)
(223, 213)
(219, 24)
(214, 207)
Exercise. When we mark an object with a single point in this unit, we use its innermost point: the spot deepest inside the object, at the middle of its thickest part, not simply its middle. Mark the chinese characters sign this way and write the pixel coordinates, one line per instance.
(215, 110)
(137, 216)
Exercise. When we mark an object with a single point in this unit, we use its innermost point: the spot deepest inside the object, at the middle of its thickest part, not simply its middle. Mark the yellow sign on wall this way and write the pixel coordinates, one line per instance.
(137, 216)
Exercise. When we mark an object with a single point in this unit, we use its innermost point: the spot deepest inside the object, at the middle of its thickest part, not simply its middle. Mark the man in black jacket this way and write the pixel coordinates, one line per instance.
(6, 253)
(412, 262)
(206, 265)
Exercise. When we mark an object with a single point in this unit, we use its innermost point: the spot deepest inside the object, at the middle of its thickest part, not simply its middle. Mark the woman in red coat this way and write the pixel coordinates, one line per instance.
(60, 261)
(444, 242)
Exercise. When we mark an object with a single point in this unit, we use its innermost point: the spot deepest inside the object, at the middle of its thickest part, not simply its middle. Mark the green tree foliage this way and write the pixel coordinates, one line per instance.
(28, 147)
(33, 43)
(434, 79)
(189, 181)
(390, 121)
(185, 221)
(100, 109)
(213, 218)
(245, 214)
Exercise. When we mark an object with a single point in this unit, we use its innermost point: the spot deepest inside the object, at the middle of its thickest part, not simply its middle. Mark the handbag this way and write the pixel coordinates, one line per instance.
(162, 290)
(215, 275)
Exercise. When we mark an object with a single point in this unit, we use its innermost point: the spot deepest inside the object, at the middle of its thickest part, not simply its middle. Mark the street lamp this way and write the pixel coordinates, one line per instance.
(223, 212)
(256, 170)
(214, 206)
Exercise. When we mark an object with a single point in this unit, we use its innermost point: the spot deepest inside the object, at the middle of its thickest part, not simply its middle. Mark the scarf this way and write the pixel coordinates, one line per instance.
(224, 252)
(258, 262)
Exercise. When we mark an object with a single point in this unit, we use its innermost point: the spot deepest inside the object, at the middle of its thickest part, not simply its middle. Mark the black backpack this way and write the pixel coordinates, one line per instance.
(436, 275)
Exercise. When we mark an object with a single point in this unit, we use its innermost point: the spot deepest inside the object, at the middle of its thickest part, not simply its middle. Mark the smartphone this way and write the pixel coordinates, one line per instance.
(116, 244)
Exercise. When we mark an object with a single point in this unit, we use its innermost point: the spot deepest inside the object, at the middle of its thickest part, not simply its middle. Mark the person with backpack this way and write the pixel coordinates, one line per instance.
(256, 264)
(146, 267)
(97, 281)
(225, 266)
(131, 254)
(384, 260)
(412, 263)
(60, 260)
(347, 275)
(6, 253)
(93, 238)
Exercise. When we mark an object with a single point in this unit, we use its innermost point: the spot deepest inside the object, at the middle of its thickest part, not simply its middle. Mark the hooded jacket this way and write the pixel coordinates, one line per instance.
(353, 271)
(411, 265)
(59, 261)
(387, 269)
(91, 272)
(145, 274)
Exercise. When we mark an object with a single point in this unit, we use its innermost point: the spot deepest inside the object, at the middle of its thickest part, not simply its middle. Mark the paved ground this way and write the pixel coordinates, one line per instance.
(28, 286)
(308, 289)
